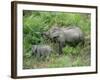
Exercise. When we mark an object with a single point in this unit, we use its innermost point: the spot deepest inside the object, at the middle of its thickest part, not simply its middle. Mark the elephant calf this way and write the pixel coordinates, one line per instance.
(41, 51)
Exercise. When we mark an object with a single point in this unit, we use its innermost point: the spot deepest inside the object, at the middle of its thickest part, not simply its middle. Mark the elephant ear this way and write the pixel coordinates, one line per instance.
(61, 38)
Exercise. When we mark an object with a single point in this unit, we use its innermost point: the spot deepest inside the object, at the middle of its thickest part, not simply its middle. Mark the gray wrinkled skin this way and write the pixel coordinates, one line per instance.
(69, 35)
(41, 51)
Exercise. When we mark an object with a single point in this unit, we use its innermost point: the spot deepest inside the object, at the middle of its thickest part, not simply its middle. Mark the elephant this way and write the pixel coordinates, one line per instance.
(65, 35)
(41, 51)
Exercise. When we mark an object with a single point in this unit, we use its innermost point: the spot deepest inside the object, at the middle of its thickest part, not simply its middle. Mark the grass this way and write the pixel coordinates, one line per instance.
(36, 22)
(58, 61)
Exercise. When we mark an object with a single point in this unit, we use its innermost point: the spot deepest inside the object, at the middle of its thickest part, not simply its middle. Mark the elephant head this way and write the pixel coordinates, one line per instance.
(53, 33)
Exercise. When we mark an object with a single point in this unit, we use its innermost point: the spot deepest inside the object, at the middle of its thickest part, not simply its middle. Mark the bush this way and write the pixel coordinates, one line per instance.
(72, 50)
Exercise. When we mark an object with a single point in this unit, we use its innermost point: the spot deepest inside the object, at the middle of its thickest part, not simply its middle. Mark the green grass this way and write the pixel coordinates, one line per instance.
(58, 61)
(35, 22)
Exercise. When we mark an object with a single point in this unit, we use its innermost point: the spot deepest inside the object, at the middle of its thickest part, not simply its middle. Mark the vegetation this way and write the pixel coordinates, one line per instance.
(36, 22)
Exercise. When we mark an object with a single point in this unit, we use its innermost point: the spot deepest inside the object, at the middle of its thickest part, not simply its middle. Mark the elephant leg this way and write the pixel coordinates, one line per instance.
(60, 48)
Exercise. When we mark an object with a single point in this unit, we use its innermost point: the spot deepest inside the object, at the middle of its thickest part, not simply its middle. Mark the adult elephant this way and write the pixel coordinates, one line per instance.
(65, 35)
